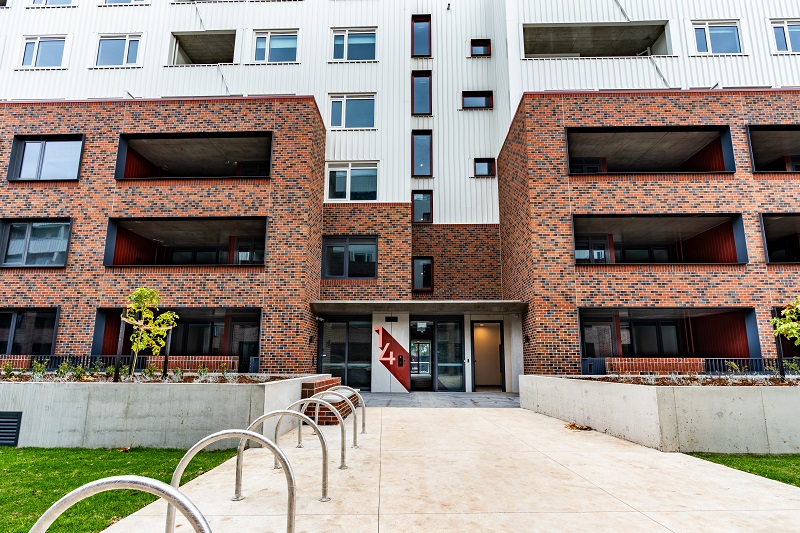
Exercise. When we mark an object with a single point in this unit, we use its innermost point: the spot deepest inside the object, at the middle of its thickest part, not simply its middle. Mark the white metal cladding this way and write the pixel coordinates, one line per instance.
(458, 136)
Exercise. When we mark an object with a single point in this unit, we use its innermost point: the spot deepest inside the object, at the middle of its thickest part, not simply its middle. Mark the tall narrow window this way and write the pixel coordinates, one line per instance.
(423, 274)
(422, 206)
(421, 93)
(276, 47)
(118, 50)
(422, 153)
(421, 36)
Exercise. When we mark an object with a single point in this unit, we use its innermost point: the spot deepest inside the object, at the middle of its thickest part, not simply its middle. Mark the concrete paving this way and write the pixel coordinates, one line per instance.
(454, 469)
(442, 399)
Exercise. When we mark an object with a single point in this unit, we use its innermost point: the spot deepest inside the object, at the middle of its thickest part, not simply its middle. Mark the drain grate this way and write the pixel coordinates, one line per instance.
(9, 427)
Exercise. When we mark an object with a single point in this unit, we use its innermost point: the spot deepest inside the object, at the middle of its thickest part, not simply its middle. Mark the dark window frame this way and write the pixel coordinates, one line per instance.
(14, 311)
(4, 234)
(750, 128)
(342, 319)
(422, 133)
(421, 18)
(767, 256)
(484, 43)
(489, 95)
(492, 162)
(414, 259)
(422, 74)
(346, 241)
(18, 152)
(430, 205)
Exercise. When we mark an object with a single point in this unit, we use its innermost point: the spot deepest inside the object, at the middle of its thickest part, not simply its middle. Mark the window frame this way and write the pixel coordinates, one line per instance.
(480, 42)
(492, 167)
(5, 229)
(14, 311)
(414, 20)
(414, 260)
(257, 34)
(784, 25)
(706, 25)
(37, 39)
(344, 98)
(429, 193)
(18, 153)
(44, 3)
(125, 2)
(346, 32)
(422, 74)
(117, 36)
(481, 94)
(421, 133)
(346, 241)
(349, 166)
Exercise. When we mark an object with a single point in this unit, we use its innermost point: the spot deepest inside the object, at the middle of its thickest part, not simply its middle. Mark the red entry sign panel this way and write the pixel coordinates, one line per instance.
(394, 357)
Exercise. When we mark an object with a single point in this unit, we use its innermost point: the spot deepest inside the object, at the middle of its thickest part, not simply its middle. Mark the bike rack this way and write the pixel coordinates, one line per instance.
(302, 403)
(172, 495)
(360, 401)
(352, 409)
(260, 421)
(240, 434)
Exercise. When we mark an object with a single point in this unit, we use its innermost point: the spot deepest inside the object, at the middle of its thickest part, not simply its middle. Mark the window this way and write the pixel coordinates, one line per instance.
(480, 48)
(421, 154)
(590, 250)
(109, 2)
(421, 36)
(352, 181)
(46, 159)
(423, 274)
(350, 258)
(422, 206)
(276, 47)
(787, 35)
(43, 52)
(51, 2)
(717, 38)
(352, 111)
(477, 100)
(118, 50)
(27, 331)
(421, 93)
(35, 243)
(345, 350)
(485, 168)
(353, 45)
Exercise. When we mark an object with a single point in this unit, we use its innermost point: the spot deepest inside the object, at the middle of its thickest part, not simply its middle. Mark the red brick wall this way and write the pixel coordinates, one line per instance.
(291, 199)
(466, 260)
(538, 200)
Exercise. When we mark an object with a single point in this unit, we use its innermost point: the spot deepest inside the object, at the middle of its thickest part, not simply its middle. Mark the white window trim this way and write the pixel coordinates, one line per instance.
(346, 32)
(268, 34)
(73, 3)
(128, 38)
(37, 39)
(784, 23)
(340, 97)
(705, 24)
(349, 166)
(128, 3)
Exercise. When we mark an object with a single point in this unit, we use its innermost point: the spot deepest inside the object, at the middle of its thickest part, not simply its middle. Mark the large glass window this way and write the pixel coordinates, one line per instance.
(43, 52)
(421, 97)
(346, 351)
(27, 331)
(421, 36)
(353, 111)
(276, 47)
(787, 36)
(353, 45)
(118, 50)
(51, 159)
(350, 257)
(352, 181)
(717, 38)
(421, 154)
(35, 243)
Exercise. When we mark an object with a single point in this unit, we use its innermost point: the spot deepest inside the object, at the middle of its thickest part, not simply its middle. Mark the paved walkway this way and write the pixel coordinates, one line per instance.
(497, 470)
(442, 399)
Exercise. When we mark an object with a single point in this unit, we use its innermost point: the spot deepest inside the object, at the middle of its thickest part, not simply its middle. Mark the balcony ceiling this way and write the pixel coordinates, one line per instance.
(670, 313)
(647, 230)
(197, 232)
(771, 145)
(641, 151)
(207, 48)
(201, 157)
(590, 41)
(779, 226)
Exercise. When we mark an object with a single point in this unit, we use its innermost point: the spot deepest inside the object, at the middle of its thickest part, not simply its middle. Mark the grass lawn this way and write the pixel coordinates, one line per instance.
(784, 468)
(32, 479)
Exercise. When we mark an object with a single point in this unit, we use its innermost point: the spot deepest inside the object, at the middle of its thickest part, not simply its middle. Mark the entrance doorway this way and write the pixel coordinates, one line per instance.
(437, 354)
(487, 356)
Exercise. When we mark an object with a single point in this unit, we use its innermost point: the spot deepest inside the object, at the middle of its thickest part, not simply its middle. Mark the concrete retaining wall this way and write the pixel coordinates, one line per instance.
(152, 415)
(674, 419)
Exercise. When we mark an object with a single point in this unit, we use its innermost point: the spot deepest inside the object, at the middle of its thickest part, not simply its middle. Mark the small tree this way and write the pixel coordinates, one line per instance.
(788, 324)
(149, 330)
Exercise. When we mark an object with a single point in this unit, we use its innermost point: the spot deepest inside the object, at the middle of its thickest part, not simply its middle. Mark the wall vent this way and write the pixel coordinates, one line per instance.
(9, 427)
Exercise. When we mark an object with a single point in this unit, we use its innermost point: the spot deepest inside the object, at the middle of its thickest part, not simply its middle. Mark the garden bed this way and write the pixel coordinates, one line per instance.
(700, 381)
(247, 379)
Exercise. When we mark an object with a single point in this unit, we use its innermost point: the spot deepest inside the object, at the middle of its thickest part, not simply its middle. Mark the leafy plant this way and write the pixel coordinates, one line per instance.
(202, 372)
(733, 368)
(78, 371)
(109, 371)
(223, 369)
(38, 370)
(8, 369)
(96, 368)
(125, 372)
(788, 324)
(177, 374)
(149, 329)
(150, 371)
(63, 370)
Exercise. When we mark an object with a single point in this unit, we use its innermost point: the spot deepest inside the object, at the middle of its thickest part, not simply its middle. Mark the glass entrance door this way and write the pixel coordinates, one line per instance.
(346, 352)
(450, 356)
(437, 354)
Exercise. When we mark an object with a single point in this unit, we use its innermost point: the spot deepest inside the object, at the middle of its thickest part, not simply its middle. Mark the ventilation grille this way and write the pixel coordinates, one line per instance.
(9, 428)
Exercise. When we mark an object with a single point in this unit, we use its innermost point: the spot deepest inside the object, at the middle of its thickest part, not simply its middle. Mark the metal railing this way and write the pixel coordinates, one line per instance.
(712, 366)
(239, 434)
(174, 497)
(329, 392)
(360, 401)
(302, 406)
(260, 421)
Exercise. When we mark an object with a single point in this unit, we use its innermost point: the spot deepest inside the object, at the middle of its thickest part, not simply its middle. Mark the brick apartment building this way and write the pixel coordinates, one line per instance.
(504, 187)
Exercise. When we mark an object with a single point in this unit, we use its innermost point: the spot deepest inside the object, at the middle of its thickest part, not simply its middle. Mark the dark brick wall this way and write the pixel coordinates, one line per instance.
(538, 200)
